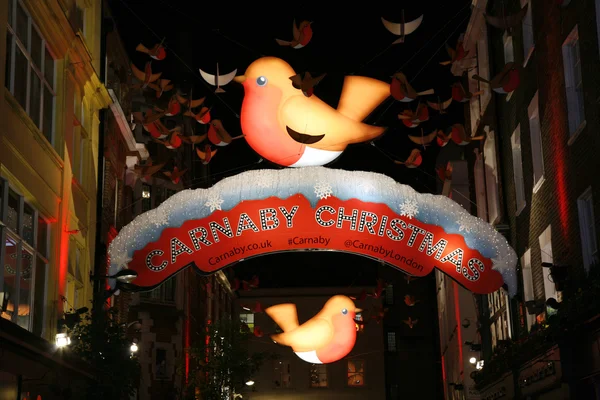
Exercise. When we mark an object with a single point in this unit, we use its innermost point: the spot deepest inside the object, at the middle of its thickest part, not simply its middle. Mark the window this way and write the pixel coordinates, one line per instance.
(475, 110)
(391, 341)
(546, 249)
(248, 319)
(509, 53)
(483, 66)
(515, 142)
(491, 177)
(360, 324)
(283, 374)
(389, 294)
(146, 197)
(535, 134)
(30, 69)
(318, 375)
(74, 290)
(160, 364)
(573, 82)
(528, 38)
(587, 228)
(356, 372)
(164, 293)
(499, 316)
(23, 247)
(478, 172)
(527, 284)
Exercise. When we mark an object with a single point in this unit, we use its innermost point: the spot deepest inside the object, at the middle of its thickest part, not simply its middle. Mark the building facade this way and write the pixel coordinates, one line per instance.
(359, 375)
(410, 333)
(533, 178)
(53, 97)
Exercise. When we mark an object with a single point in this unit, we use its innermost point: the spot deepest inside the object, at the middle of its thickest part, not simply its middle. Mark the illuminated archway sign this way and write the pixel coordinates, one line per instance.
(267, 211)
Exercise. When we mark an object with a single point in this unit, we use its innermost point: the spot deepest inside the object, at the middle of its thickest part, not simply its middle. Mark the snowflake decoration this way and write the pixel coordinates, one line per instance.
(464, 226)
(323, 190)
(120, 260)
(214, 203)
(409, 209)
(160, 216)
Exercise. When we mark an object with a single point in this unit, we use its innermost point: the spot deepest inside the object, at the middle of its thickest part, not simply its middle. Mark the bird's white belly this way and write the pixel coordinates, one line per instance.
(309, 356)
(315, 157)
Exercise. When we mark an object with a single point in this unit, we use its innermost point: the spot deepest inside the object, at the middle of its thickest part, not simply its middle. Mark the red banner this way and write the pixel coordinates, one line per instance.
(259, 227)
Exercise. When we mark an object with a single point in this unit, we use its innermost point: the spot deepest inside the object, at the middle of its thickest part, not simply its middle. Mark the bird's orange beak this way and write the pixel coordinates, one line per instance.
(240, 78)
(358, 310)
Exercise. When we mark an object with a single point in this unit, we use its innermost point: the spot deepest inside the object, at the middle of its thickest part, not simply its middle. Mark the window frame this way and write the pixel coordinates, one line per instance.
(528, 288)
(391, 342)
(490, 160)
(508, 45)
(361, 372)
(528, 20)
(573, 83)
(22, 246)
(547, 256)
(517, 160)
(589, 238)
(499, 313)
(321, 370)
(16, 43)
(535, 135)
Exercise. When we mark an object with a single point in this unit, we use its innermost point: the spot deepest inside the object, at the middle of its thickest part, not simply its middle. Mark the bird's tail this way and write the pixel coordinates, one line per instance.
(142, 49)
(283, 42)
(284, 315)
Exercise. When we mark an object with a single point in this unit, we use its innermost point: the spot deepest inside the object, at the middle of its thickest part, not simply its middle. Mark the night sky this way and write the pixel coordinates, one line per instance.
(343, 43)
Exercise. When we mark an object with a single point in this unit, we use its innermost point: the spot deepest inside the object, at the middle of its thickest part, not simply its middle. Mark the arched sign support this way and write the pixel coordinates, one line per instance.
(315, 208)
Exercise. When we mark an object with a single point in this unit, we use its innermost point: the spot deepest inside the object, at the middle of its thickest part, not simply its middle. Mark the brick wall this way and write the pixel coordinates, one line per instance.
(568, 168)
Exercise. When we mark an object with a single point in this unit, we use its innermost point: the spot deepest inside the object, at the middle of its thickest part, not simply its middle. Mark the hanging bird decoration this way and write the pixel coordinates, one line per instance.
(459, 136)
(443, 138)
(414, 160)
(148, 169)
(251, 284)
(440, 106)
(412, 119)
(379, 314)
(361, 297)
(410, 300)
(157, 51)
(423, 140)
(194, 139)
(402, 28)
(206, 153)
(508, 22)
(163, 85)
(306, 83)
(459, 94)
(175, 175)
(411, 322)
(302, 34)
(173, 141)
(217, 134)
(218, 80)
(456, 54)
(325, 338)
(151, 124)
(401, 89)
(203, 116)
(381, 285)
(506, 81)
(145, 77)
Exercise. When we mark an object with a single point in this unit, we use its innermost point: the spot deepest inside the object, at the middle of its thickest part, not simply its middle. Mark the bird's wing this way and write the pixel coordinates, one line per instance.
(361, 96)
(154, 77)
(296, 81)
(312, 335)
(295, 32)
(312, 117)
(197, 103)
(139, 74)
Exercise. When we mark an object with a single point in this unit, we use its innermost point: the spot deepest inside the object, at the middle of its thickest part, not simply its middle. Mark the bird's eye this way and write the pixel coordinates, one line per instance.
(344, 311)
(261, 81)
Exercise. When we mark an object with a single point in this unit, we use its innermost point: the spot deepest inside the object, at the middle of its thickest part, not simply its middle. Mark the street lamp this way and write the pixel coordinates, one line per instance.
(62, 340)
(123, 276)
(134, 347)
(473, 360)
(250, 382)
